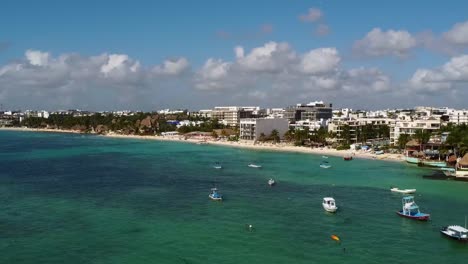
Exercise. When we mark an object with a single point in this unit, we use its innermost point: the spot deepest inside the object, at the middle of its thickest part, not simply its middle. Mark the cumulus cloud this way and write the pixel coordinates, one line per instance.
(385, 43)
(173, 66)
(275, 73)
(104, 80)
(452, 75)
(37, 58)
(271, 57)
(458, 34)
(320, 60)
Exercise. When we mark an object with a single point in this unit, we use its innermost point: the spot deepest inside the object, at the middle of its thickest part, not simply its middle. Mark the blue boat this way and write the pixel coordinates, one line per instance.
(215, 195)
(411, 210)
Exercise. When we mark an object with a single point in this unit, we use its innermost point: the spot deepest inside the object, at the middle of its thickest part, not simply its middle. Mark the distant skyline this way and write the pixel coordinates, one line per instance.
(149, 55)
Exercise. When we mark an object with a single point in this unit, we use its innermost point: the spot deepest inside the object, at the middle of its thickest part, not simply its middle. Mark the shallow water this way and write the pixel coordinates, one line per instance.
(88, 199)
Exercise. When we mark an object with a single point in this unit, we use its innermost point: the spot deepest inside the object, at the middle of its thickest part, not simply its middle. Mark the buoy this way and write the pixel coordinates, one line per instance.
(335, 237)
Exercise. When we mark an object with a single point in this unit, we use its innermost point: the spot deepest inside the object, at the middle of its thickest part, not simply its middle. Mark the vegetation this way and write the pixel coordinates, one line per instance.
(140, 123)
(458, 138)
(403, 139)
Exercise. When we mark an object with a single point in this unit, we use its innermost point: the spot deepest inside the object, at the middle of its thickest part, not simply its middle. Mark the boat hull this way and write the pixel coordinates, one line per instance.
(330, 209)
(443, 232)
(412, 160)
(348, 158)
(405, 191)
(215, 198)
(420, 217)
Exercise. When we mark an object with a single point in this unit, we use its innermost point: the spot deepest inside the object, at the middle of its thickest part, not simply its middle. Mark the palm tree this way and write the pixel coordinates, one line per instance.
(275, 136)
(422, 136)
(402, 140)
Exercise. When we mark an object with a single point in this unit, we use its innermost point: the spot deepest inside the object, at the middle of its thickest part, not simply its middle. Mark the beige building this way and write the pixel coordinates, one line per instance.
(252, 128)
(409, 127)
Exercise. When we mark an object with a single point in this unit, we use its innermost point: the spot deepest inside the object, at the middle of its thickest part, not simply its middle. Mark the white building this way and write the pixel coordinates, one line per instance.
(410, 127)
(231, 115)
(310, 124)
(252, 128)
(275, 112)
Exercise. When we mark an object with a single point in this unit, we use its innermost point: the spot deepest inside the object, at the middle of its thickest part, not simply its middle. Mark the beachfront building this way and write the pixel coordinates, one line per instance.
(252, 128)
(231, 115)
(431, 124)
(355, 127)
(309, 124)
(312, 111)
(457, 117)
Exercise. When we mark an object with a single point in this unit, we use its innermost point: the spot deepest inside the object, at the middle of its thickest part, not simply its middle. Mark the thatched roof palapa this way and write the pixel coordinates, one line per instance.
(412, 143)
(464, 160)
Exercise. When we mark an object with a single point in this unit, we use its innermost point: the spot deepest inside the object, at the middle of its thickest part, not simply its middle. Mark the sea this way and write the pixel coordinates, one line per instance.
(70, 198)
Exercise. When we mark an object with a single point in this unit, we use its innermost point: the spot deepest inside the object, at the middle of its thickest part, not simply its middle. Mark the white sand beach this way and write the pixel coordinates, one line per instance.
(284, 147)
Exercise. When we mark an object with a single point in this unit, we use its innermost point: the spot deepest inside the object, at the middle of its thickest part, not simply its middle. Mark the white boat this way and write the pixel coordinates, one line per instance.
(217, 166)
(456, 232)
(251, 165)
(324, 157)
(329, 204)
(271, 182)
(325, 165)
(406, 191)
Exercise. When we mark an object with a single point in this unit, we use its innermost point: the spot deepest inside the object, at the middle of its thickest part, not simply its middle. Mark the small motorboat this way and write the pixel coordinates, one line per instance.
(379, 152)
(411, 210)
(324, 157)
(329, 204)
(348, 158)
(325, 165)
(217, 166)
(271, 182)
(251, 165)
(456, 232)
(405, 191)
(215, 195)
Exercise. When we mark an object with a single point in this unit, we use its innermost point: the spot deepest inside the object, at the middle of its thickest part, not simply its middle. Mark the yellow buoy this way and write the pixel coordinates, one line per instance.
(335, 237)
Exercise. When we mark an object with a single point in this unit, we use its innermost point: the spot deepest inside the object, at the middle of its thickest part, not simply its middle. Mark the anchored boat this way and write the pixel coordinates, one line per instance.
(215, 195)
(251, 165)
(405, 191)
(271, 182)
(411, 210)
(217, 166)
(455, 232)
(325, 165)
(329, 204)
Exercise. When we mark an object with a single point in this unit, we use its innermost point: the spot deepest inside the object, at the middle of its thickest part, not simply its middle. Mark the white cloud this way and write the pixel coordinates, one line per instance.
(313, 15)
(239, 51)
(319, 61)
(382, 43)
(452, 74)
(37, 58)
(102, 81)
(114, 62)
(271, 57)
(458, 34)
(173, 67)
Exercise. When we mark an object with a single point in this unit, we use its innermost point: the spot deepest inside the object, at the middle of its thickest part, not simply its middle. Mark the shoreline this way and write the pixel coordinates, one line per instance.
(280, 147)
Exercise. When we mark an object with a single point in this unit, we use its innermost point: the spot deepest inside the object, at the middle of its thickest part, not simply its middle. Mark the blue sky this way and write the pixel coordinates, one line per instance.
(151, 32)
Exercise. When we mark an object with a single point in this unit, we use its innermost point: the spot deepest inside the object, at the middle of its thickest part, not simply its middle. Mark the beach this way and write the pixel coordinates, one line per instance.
(267, 146)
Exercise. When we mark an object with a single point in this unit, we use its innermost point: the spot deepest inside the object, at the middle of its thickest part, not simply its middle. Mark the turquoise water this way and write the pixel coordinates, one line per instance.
(89, 199)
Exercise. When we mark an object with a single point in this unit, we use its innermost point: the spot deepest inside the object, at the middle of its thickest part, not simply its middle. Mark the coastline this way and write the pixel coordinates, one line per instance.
(281, 147)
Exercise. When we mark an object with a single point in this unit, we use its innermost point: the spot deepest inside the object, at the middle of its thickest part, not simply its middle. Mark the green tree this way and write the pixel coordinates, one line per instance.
(402, 140)
(422, 136)
(275, 136)
(262, 137)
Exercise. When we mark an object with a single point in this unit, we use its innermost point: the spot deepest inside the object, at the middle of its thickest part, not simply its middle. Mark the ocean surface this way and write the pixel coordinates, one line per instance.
(67, 198)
